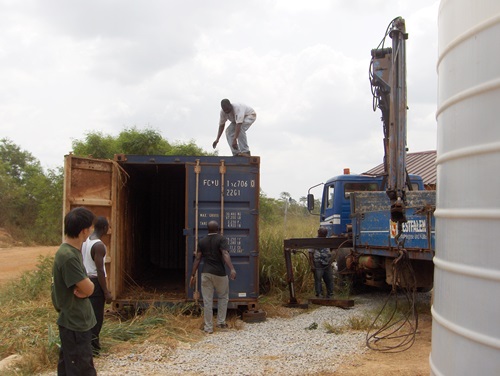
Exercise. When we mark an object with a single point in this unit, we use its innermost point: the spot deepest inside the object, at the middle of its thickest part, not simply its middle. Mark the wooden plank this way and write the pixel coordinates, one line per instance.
(90, 201)
(341, 303)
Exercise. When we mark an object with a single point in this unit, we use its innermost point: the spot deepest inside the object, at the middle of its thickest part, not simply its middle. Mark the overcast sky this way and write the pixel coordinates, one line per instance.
(70, 67)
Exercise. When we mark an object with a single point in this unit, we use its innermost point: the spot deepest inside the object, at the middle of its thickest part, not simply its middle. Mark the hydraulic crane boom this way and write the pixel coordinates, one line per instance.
(388, 80)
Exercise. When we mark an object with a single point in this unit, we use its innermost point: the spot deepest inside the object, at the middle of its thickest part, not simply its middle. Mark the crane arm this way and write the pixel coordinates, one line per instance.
(388, 80)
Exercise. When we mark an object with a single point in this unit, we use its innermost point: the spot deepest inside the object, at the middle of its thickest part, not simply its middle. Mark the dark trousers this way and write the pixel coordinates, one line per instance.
(98, 301)
(324, 273)
(75, 355)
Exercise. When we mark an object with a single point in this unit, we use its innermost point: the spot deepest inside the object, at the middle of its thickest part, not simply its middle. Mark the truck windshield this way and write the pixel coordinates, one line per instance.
(357, 187)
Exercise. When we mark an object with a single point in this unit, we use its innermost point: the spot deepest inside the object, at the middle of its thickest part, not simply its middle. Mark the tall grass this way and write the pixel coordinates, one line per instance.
(273, 276)
(29, 319)
(29, 324)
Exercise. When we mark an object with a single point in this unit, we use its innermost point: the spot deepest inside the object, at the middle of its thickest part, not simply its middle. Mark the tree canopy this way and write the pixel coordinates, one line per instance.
(132, 141)
(30, 199)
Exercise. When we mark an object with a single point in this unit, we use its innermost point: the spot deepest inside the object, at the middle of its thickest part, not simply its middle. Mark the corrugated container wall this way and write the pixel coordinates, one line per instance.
(465, 329)
(159, 207)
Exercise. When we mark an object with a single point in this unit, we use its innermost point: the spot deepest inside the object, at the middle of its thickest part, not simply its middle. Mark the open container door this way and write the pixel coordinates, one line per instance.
(91, 183)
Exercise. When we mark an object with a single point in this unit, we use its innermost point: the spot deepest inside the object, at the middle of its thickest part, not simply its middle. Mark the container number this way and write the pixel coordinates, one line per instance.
(233, 192)
(237, 184)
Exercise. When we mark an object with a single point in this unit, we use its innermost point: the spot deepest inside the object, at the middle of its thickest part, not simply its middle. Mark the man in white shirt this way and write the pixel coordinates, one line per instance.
(94, 256)
(241, 117)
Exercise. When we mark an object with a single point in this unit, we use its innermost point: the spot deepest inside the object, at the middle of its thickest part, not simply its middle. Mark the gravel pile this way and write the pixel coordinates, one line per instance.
(300, 345)
(279, 346)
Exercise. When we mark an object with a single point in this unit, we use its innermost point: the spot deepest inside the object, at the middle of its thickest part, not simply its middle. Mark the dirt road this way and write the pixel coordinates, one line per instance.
(16, 260)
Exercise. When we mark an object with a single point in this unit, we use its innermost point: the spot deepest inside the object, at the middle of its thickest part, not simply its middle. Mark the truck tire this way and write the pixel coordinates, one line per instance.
(343, 278)
(347, 281)
(342, 254)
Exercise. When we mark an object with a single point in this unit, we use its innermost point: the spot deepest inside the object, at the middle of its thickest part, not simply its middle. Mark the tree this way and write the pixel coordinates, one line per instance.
(30, 201)
(145, 142)
(17, 163)
(96, 145)
(270, 209)
(132, 141)
(187, 149)
(49, 219)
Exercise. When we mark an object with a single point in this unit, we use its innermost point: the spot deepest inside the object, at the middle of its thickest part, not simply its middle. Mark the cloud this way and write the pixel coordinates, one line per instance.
(72, 67)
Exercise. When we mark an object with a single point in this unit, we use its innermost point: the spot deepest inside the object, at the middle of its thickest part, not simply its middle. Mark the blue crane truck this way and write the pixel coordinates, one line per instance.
(381, 228)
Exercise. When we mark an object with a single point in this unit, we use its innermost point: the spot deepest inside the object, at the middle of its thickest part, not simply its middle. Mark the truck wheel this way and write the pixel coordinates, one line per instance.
(343, 278)
(342, 254)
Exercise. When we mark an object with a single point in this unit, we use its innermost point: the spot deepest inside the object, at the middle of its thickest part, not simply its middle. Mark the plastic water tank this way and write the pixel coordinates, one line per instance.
(466, 309)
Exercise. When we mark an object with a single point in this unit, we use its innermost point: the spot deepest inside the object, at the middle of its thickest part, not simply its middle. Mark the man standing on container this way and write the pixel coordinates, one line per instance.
(241, 117)
(214, 250)
(70, 291)
(321, 266)
(94, 256)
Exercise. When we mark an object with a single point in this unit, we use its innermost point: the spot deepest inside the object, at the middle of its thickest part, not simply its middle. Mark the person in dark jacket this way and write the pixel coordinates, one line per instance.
(321, 266)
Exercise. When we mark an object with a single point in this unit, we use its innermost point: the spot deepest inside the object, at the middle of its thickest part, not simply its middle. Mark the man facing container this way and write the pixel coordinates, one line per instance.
(214, 250)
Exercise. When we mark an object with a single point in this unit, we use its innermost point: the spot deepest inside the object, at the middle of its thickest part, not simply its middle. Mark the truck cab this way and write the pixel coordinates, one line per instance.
(335, 210)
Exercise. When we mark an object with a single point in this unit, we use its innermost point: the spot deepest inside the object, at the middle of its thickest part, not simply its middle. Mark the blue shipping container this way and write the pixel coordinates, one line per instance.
(159, 207)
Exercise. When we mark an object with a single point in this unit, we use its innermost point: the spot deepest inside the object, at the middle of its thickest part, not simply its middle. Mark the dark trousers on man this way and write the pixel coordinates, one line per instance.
(325, 273)
(75, 355)
(98, 301)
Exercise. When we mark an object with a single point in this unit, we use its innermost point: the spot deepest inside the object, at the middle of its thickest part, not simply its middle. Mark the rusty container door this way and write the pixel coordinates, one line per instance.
(91, 183)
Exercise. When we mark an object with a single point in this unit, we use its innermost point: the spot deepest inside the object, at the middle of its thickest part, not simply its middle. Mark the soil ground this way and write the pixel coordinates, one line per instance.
(413, 362)
(16, 260)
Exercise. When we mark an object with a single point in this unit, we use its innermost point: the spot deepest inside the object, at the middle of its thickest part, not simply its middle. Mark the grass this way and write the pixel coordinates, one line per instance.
(29, 320)
(360, 322)
(377, 317)
(29, 324)
(273, 276)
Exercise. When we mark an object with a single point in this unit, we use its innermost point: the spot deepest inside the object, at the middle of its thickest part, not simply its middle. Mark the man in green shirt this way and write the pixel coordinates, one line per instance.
(70, 291)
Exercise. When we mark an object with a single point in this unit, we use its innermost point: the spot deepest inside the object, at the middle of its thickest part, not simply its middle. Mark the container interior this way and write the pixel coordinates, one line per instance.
(154, 257)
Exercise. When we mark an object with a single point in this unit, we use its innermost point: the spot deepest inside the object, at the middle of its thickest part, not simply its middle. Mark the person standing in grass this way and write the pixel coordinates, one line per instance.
(214, 250)
(70, 291)
(321, 266)
(94, 257)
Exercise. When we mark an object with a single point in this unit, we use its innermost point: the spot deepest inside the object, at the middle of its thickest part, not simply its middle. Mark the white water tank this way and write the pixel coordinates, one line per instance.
(466, 308)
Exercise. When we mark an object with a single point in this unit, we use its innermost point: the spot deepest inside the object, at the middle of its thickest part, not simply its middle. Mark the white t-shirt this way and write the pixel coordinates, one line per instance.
(89, 264)
(237, 115)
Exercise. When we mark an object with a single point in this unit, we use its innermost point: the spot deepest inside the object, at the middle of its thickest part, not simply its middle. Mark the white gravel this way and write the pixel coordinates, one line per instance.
(279, 346)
